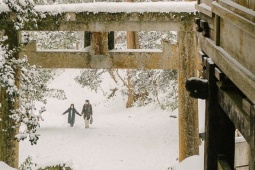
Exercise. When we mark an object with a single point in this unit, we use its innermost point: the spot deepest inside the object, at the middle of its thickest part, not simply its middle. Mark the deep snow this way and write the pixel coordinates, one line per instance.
(144, 138)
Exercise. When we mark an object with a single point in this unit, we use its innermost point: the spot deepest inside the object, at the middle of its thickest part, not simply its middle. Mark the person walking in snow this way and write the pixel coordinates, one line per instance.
(71, 114)
(87, 113)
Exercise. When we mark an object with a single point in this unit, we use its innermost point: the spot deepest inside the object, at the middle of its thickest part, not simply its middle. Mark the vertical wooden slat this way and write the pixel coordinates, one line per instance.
(111, 40)
(244, 3)
(87, 38)
(252, 5)
(217, 30)
(252, 139)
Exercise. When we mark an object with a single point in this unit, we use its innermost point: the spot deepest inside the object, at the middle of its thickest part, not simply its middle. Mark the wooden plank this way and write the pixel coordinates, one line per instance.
(246, 106)
(252, 5)
(252, 138)
(238, 9)
(205, 9)
(218, 74)
(237, 20)
(242, 168)
(239, 75)
(242, 153)
(231, 103)
(217, 30)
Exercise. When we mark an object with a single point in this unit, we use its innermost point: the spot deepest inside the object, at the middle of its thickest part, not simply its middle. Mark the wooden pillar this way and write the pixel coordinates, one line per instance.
(99, 43)
(252, 139)
(188, 109)
(219, 130)
(111, 41)
(87, 38)
(210, 147)
(132, 40)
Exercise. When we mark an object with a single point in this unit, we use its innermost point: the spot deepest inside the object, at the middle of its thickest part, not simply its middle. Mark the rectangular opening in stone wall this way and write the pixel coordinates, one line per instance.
(73, 40)
(55, 40)
(146, 39)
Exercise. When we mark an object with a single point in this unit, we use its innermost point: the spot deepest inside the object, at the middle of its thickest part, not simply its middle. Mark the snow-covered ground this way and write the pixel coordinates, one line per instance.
(143, 138)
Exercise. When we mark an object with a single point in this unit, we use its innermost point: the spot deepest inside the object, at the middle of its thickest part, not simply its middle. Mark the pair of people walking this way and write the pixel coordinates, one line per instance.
(86, 112)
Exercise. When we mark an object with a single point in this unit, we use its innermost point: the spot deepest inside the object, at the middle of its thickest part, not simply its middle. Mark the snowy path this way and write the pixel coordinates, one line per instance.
(119, 138)
(124, 141)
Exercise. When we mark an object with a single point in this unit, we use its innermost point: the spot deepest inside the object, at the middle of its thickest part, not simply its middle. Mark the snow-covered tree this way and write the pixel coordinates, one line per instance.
(20, 83)
(159, 86)
(56, 39)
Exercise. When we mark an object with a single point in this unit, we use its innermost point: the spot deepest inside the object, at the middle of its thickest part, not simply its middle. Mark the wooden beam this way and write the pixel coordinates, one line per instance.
(205, 9)
(231, 103)
(252, 138)
(136, 59)
(239, 75)
(239, 9)
(247, 24)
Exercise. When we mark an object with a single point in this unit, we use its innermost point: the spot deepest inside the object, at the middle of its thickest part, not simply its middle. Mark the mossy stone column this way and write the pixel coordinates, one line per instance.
(9, 147)
(188, 107)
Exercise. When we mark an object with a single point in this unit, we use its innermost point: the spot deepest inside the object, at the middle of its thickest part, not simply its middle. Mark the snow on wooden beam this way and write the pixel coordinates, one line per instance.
(105, 22)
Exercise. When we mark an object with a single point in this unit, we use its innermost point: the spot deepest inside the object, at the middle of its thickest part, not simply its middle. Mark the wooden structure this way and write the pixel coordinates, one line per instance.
(226, 36)
(181, 56)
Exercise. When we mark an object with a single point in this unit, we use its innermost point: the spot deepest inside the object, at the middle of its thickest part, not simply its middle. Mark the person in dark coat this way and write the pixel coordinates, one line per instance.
(87, 113)
(71, 114)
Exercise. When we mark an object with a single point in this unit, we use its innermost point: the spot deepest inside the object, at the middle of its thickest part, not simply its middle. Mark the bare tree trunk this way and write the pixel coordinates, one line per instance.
(132, 40)
(131, 97)
(132, 43)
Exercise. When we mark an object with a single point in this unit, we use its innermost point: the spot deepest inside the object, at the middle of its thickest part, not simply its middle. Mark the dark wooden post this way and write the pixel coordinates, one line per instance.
(219, 130)
(210, 147)
(111, 40)
(87, 38)
(252, 139)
